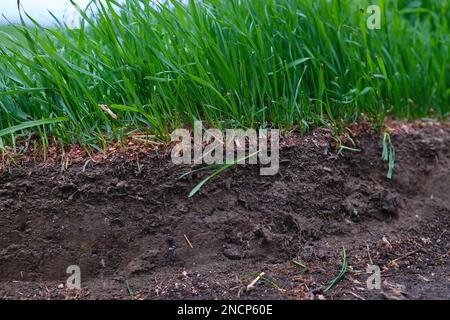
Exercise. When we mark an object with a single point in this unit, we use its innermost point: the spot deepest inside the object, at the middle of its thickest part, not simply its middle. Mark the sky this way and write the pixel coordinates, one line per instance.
(38, 9)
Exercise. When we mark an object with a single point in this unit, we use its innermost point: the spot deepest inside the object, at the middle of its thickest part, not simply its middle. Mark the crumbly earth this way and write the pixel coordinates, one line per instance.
(129, 225)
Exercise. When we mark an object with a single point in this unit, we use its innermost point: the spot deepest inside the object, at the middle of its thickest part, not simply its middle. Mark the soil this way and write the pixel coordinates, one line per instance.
(129, 225)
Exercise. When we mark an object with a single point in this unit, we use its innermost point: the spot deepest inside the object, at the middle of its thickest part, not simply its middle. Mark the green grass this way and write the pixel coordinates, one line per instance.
(341, 274)
(388, 154)
(257, 63)
(218, 170)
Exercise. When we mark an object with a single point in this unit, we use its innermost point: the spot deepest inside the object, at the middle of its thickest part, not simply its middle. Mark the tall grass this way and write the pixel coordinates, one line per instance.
(247, 63)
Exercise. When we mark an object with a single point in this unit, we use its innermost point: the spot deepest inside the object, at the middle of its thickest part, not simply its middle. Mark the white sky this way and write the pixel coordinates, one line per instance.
(38, 9)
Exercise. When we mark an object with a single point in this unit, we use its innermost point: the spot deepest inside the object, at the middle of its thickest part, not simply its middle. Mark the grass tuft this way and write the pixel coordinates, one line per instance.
(341, 273)
(249, 63)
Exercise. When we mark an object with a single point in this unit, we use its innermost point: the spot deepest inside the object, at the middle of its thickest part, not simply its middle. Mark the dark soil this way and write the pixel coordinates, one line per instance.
(125, 222)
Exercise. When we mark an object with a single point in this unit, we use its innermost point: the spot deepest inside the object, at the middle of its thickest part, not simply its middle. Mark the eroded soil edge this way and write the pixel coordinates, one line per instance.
(124, 220)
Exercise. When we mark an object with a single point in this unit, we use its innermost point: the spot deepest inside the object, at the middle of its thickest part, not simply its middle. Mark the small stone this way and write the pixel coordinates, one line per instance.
(61, 286)
(232, 253)
(122, 184)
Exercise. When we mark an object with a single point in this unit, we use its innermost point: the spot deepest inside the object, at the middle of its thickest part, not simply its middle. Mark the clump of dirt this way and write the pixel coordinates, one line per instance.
(134, 233)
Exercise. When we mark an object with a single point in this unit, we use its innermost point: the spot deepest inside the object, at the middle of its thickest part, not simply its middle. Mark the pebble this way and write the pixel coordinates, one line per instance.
(232, 253)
